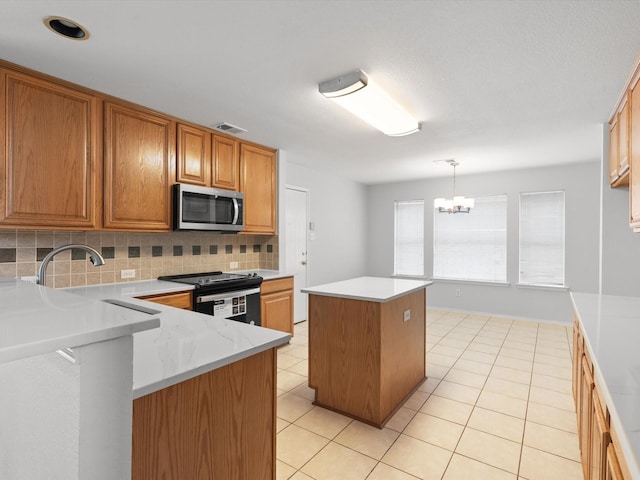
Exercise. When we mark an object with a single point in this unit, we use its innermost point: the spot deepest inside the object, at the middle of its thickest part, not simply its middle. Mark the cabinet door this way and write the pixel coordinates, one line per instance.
(258, 182)
(634, 152)
(182, 300)
(194, 155)
(599, 440)
(585, 415)
(139, 169)
(50, 160)
(276, 310)
(614, 472)
(613, 150)
(226, 168)
(576, 364)
(623, 138)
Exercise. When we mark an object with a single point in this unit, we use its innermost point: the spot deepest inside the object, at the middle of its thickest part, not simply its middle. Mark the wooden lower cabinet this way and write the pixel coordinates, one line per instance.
(219, 425)
(601, 458)
(585, 415)
(276, 304)
(599, 440)
(182, 300)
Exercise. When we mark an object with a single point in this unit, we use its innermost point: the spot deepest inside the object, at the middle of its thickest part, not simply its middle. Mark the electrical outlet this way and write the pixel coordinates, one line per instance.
(233, 265)
(29, 279)
(407, 315)
(457, 292)
(128, 273)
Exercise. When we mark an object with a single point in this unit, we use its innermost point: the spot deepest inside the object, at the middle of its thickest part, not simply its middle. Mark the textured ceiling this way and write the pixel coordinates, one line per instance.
(497, 84)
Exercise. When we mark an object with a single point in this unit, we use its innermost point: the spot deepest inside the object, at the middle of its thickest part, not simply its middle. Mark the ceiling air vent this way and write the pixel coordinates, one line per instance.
(228, 128)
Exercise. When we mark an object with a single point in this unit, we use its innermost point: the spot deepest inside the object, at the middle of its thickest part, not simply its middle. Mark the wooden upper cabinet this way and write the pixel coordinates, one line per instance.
(258, 182)
(139, 157)
(194, 155)
(623, 138)
(50, 160)
(226, 169)
(614, 134)
(634, 152)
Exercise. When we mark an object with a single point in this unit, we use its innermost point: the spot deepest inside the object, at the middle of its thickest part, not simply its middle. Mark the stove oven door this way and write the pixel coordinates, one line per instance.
(240, 305)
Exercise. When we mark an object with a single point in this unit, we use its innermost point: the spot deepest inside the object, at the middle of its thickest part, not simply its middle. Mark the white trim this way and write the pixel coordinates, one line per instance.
(471, 282)
(537, 286)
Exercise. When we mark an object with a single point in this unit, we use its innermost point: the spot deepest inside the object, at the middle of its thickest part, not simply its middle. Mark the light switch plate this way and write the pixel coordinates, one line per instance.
(407, 315)
(233, 265)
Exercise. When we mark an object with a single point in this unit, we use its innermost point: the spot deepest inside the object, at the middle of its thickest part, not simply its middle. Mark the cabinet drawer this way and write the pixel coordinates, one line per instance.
(179, 300)
(277, 285)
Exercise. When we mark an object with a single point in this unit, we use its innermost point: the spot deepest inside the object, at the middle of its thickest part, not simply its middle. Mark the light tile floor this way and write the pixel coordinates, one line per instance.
(497, 404)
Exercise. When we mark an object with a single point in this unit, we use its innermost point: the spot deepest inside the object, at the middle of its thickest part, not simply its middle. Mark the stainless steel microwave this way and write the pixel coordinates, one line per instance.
(204, 208)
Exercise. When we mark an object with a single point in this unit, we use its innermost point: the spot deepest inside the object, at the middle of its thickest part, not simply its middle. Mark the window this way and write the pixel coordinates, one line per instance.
(542, 238)
(409, 238)
(472, 246)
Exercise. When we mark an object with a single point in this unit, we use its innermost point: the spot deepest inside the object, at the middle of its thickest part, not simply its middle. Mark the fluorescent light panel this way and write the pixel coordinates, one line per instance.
(357, 94)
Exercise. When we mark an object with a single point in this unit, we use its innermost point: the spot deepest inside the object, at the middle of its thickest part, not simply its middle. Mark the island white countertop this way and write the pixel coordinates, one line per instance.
(370, 289)
(35, 320)
(612, 337)
(187, 344)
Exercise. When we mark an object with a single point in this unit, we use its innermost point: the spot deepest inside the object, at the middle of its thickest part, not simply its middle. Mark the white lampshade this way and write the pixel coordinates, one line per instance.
(438, 203)
(469, 203)
(357, 94)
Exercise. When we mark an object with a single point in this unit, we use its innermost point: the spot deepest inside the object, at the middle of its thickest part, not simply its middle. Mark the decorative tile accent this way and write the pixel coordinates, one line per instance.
(243, 249)
(108, 252)
(156, 251)
(7, 255)
(134, 252)
(42, 252)
(177, 250)
(256, 249)
(269, 248)
(195, 250)
(213, 249)
(78, 254)
(228, 249)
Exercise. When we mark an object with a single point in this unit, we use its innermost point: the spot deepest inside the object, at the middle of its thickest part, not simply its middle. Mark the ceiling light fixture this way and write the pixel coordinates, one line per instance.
(66, 28)
(457, 204)
(357, 94)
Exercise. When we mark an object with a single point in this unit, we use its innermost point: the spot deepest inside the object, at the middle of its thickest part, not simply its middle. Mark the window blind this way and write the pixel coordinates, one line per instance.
(472, 246)
(542, 238)
(409, 238)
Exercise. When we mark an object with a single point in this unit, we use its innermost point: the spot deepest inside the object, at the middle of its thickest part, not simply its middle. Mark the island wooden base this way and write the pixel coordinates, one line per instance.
(219, 425)
(364, 359)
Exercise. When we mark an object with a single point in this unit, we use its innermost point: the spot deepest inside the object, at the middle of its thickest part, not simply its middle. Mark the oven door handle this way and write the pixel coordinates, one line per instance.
(236, 211)
(220, 296)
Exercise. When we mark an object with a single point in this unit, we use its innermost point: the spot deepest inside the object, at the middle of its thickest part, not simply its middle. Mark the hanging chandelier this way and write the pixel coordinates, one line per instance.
(456, 204)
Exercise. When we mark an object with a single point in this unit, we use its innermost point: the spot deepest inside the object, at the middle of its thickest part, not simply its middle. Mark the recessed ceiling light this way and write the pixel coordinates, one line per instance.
(66, 28)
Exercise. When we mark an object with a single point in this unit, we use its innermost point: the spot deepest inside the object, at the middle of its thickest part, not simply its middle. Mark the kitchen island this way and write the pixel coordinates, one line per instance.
(367, 345)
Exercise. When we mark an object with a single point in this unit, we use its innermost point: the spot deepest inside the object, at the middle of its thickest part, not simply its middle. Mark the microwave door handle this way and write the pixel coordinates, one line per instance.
(236, 212)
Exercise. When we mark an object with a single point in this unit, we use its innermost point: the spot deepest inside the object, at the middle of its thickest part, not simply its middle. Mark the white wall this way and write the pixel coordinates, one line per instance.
(338, 208)
(581, 183)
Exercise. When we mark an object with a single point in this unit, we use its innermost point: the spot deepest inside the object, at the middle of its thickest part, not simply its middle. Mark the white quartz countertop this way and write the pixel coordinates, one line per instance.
(187, 343)
(612, 334)
(35, 320)
(371, 289)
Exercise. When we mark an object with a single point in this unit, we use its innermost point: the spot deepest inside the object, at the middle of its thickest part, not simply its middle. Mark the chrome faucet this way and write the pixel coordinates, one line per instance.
(94, 256)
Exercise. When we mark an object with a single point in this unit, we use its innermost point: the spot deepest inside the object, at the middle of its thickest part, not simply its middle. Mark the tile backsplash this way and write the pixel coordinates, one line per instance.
(149, 254)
